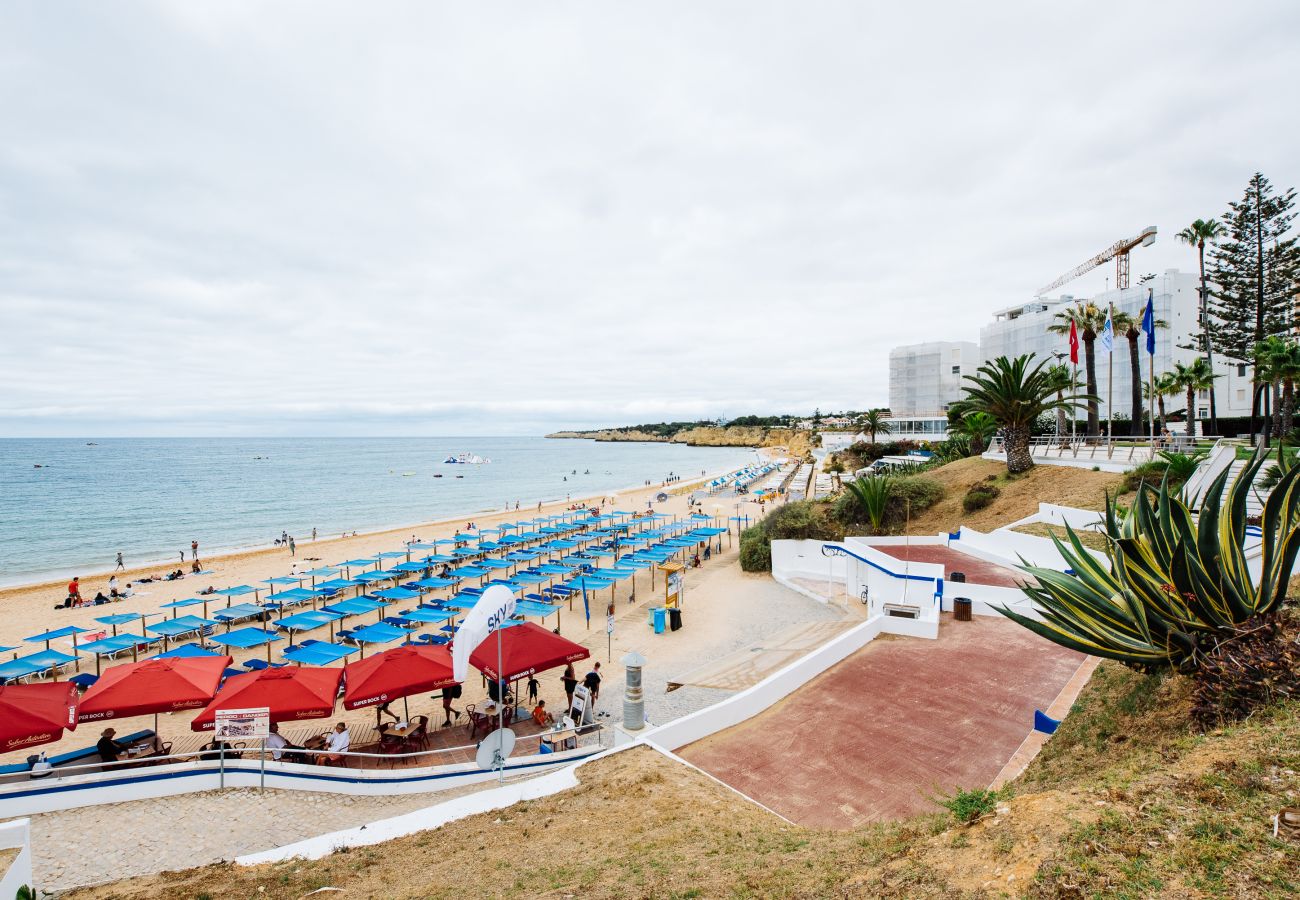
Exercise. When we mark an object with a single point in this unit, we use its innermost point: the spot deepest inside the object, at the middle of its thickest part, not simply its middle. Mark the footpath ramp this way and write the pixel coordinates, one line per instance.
(900, 722)
(746, 668)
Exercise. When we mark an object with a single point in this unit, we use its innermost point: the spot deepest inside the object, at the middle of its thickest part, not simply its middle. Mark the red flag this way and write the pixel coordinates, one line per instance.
(1074, 344)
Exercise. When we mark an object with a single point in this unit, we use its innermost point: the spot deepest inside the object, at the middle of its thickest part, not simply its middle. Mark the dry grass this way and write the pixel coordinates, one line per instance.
(1126, 800)
(1091, 539)
(1019, 497)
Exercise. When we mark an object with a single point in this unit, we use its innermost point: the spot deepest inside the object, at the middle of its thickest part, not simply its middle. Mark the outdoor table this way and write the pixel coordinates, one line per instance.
(403, 729)
(562, 737)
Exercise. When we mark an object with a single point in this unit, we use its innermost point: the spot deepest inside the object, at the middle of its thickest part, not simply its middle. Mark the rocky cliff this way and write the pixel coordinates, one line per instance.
(797, 443)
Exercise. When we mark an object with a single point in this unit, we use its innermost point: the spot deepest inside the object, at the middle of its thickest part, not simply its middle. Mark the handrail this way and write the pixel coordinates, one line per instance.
(840, 550)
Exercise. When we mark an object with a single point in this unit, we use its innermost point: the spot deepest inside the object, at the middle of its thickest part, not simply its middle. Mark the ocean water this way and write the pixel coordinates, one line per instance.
(149, 497)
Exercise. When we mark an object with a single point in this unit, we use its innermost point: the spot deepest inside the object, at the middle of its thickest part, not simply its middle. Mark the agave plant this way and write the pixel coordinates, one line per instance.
(1181, 466)
(1173, 585)
(873, 495)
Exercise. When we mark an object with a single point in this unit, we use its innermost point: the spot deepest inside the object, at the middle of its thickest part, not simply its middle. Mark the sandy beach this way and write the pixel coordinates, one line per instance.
(28, 610)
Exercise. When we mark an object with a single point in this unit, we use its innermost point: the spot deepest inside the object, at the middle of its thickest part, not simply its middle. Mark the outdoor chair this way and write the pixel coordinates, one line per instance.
(389, 743)
(477, 721)
(421, 734)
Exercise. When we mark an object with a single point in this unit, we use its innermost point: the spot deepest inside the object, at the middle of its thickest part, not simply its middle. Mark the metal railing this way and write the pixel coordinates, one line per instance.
(582, 737)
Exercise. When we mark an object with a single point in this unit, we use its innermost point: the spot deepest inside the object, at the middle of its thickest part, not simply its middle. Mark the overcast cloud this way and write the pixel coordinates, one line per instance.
(330, 218)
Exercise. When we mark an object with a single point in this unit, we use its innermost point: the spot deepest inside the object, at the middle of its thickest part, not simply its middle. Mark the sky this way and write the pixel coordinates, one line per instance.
(264, 218)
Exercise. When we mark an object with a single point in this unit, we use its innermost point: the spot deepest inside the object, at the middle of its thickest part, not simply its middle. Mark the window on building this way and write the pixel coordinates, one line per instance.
(1241, 393)
(1202, 413)
(1241, 370)
(956, 370)
(1202, 395)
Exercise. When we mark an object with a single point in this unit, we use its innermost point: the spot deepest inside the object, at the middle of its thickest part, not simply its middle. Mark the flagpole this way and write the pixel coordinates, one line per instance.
(1110, 379)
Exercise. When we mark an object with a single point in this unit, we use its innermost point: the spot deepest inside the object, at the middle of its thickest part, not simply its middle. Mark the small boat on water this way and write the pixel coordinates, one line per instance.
(466, 459)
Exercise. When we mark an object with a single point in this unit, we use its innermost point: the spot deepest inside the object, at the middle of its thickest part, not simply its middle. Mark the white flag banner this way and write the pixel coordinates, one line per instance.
(1107, 337)
(494, 607)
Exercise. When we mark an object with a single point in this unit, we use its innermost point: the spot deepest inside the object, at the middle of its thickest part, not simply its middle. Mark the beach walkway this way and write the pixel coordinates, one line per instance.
(897, 723)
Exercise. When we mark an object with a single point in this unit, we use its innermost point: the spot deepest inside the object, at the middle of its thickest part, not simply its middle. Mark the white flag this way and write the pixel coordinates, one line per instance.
(1107, 336)
(494, 607)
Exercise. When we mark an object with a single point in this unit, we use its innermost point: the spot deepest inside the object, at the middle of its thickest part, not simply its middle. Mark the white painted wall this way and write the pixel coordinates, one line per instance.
(17, 834)
(93, 788)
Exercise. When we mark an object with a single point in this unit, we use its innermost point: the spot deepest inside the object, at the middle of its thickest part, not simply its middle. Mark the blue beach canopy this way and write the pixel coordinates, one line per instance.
(397, 593)
(118, 618)
(238, 611)
(356, 606)
(338, 584)
(321, 653)
(178, 604)
(238, 590)
(305, 621)
(431, 616)
(33, 663)
(378, 633)
(433, 584)
(186, 651)
(116, 644)
(321, 572)
(245, 638)
(56, 633)
(283, 579)
(181, 625)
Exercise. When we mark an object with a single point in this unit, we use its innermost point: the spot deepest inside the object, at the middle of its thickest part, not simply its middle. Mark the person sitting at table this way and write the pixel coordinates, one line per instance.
(337, 743)
(277, 742)
(541, 716)
(109, 749)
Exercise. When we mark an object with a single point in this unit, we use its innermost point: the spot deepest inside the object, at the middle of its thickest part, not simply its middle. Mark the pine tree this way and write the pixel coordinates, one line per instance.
(1256, 272)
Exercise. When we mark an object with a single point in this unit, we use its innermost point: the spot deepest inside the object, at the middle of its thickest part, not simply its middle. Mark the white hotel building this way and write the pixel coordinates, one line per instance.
(920, 389)
(923, 380)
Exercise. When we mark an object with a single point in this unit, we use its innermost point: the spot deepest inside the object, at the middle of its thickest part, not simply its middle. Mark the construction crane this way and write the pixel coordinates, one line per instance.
(1118, 251)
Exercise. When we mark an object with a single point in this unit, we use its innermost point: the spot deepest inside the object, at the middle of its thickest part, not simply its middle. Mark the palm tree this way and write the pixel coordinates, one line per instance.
(978, 427)
(1192, 377)
(1014, 394)
(1088, 319)
(1271, 360)
(875, 422)
(1198, 234)
(1060, 376)
(1131, 326)
(1288, 370)
(1166, 386)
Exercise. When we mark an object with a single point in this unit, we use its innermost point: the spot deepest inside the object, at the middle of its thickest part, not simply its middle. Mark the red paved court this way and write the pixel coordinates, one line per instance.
(976, 570)
(898, 722)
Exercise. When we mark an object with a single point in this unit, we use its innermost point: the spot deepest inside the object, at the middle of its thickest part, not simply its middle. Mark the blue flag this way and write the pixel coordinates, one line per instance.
(1149, 323)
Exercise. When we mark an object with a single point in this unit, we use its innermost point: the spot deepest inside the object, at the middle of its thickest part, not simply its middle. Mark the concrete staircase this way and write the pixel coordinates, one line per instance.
(1254, 500)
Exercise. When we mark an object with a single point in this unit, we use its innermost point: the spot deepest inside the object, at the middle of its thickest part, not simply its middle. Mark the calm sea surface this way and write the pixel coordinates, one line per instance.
(150, 497)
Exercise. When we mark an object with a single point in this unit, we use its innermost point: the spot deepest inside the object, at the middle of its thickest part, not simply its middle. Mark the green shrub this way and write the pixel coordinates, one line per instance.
(967, 806)
(910, 495)
(801, 520)
(977, 499)
(755, 550)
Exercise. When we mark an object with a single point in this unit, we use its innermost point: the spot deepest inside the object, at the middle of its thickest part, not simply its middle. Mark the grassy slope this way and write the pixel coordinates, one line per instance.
(1019, 497)
(1124, 801)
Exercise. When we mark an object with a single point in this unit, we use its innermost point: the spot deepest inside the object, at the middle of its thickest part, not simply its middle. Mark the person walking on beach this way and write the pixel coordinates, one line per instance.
(592, 684)
(570, 679)
(194, 551)
(293, 550)
(313, 534)
(120, 565)
(182, 553)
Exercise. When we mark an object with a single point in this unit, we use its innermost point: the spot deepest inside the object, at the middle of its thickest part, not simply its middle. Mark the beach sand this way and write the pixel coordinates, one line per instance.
(28, 610)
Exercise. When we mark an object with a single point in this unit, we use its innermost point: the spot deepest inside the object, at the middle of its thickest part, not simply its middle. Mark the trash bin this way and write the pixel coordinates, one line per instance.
(657, 618)
(674, 618)
(957, 577)
(961, 609)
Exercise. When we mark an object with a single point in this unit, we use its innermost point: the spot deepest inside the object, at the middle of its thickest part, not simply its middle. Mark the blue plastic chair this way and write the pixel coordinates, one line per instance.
(1045, 723)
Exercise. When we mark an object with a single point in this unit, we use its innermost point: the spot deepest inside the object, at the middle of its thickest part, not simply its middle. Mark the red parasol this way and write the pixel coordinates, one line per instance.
(290, 694)
(32, 714)
(525, 650)
(395, 673)
(153, 686)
